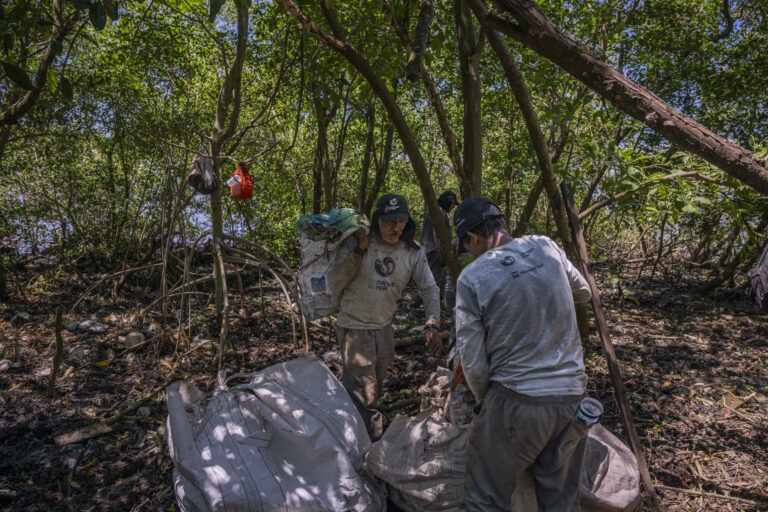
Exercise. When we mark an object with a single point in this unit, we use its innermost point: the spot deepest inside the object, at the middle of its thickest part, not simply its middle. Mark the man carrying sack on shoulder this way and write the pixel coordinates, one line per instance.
(371, 274)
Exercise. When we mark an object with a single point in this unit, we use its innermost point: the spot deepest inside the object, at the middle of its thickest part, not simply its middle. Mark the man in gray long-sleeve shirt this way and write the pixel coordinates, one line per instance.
(371, 275)
(519, 347)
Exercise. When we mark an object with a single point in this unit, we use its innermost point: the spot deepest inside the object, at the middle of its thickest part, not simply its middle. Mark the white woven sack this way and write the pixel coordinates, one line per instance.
(318, 300)
(290, 440)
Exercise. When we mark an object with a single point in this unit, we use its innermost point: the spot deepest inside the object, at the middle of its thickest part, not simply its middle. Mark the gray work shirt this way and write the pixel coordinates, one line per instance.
(373, 283)
(516, 321)
(429, 241)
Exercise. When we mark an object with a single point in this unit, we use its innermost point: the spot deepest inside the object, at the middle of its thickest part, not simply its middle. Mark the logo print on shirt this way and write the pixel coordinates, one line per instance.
(508, 260)
(385, 267)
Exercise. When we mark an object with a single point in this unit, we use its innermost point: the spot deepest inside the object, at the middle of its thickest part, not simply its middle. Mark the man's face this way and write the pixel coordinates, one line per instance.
(451, 206)
(390, 231)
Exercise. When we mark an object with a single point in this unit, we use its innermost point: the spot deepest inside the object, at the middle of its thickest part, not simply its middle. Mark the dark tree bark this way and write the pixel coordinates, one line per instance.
(526, 23)
(533, 197)
(370, 118)
(470, 50)
(434, 98)
(323, 187)
(420, 40)
(382, 166)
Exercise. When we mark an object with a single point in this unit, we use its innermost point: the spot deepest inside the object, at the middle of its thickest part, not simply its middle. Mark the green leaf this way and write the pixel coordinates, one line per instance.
(702, 200)
(216, 6)
(111, 8)
(390, 88)
(689, 208)
(57, 46)
(98, 16)
(65, 86)
(81, 5)
(614, 279)
(51, 81)
(17, 75)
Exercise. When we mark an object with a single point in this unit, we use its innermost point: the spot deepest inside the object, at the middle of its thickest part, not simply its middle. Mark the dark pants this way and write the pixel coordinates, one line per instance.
(515, 432)
(366, 356)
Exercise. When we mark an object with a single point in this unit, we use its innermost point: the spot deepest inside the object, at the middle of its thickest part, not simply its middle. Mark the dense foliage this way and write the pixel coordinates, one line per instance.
(98, 164)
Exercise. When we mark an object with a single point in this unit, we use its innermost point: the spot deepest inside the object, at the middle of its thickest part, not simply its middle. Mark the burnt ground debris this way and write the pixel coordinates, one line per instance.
(687, 361)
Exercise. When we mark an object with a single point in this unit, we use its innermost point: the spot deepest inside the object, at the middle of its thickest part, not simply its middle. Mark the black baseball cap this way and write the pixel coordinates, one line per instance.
(471, 213)
(445, 199)
(391, 207)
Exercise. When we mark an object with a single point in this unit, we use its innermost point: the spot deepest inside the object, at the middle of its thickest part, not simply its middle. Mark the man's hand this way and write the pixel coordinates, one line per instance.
(433, 341)
(362, 239)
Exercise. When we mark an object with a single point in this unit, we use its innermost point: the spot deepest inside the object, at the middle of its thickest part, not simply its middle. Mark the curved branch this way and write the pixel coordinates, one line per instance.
(13, 113)
(645, 186)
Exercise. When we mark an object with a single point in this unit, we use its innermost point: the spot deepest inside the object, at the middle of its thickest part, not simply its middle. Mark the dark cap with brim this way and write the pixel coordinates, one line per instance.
(471, 213)
(392, 207)
(389, 217)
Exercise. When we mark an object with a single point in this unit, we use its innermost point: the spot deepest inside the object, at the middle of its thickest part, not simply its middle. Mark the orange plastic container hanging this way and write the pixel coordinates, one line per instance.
(240, 184)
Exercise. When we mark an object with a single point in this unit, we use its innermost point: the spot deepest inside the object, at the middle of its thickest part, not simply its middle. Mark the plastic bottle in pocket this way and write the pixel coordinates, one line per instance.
(590, 411)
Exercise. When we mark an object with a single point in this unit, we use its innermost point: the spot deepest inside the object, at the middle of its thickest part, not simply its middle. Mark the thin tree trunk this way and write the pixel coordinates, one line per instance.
(356, 59)
(470, 51)
(517, 83)
(526, 23)
(370, 118)
(434, 98)
(382, 167)
(224, 125)
(661, 245)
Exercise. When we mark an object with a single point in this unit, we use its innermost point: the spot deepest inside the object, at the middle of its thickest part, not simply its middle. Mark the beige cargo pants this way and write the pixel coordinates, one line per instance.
(515, 432)
(366, 356)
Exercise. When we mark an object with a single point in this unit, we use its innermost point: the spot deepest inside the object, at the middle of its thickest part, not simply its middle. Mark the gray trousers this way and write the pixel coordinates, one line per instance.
(366, 356)
(515, 432)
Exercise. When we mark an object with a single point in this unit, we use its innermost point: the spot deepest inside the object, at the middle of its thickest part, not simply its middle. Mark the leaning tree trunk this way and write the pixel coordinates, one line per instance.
(520, 89)
(526, 23)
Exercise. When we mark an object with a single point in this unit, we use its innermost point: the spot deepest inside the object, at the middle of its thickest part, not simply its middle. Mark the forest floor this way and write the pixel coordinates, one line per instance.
(694, 367)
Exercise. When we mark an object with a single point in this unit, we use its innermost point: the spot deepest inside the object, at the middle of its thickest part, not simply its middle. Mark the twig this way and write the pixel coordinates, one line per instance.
(109, 276)
(57, 355)
(413, 340)
(105, 427)
(400, 404)
(761, 505)
(249, 259)
(225, 309)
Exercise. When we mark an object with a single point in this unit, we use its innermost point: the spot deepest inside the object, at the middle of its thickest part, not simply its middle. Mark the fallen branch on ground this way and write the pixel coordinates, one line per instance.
(413, 340)
(400, 404)
(85, 433)
(760, 505)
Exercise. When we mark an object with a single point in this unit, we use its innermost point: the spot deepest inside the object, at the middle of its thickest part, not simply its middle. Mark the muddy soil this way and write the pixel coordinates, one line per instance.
(694, 367)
